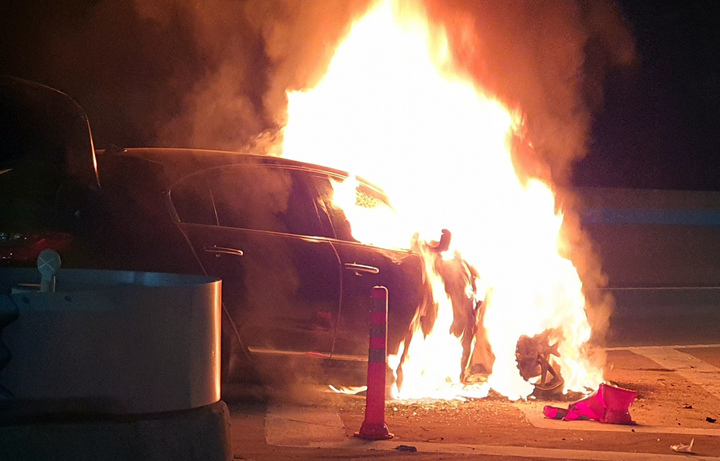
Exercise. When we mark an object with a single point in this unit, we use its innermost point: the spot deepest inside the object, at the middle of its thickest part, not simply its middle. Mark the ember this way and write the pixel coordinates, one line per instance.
(393, 107)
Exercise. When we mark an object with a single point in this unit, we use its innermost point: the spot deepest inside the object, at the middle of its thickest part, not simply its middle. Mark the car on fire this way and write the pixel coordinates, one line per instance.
(295, 281)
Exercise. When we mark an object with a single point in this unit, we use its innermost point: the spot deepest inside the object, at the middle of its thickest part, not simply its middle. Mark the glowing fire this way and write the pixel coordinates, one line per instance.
(394, 109)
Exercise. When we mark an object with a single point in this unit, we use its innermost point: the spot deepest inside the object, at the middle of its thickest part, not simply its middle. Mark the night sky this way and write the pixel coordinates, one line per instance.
(659, 126)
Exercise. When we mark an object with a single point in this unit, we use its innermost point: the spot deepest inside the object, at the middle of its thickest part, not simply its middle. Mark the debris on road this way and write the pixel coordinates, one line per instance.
(348, 390)
(683, 448)
(533, 356)
(560, 413)
(609, 404)
(408, 448)
(710, 420)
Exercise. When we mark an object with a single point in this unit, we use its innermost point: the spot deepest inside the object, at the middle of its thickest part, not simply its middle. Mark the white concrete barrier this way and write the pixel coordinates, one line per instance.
(110, 342)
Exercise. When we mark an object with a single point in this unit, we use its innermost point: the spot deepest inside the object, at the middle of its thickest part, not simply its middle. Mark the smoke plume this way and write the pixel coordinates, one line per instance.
(213, 74)
(254, 51)
(546, 58)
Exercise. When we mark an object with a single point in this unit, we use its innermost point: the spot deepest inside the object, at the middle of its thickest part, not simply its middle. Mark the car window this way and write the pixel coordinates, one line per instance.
(324, 193)
(259, 197)
(365, 197)
(193, 201)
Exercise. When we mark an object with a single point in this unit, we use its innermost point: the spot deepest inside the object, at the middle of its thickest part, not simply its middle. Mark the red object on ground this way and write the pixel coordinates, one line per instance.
(374, 427)
(591, 407)
(554, 412)
(609, 404)
(617, 404)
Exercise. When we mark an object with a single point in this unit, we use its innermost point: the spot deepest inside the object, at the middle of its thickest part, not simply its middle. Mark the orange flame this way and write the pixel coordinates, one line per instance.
(394, 109)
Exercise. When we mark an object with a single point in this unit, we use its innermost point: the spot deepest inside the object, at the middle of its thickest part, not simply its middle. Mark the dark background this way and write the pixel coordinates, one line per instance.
(659, 126)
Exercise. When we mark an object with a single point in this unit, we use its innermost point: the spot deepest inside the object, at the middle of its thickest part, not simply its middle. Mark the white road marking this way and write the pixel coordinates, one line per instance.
(688, 366)
(506, 451)
(679, 346)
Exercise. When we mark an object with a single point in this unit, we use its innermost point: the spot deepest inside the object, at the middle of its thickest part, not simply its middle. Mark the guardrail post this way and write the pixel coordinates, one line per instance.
(374, 427)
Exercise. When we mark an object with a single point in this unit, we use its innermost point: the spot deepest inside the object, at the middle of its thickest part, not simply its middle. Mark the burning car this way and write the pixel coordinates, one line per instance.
(295, 281)
(296, 261)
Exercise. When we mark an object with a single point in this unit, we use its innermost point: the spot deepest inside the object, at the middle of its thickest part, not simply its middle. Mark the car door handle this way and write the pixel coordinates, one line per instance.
(361, 268)
(217, 251)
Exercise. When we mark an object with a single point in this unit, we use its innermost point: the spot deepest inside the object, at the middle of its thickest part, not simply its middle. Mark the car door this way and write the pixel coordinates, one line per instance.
(254, 226)
(363, 267)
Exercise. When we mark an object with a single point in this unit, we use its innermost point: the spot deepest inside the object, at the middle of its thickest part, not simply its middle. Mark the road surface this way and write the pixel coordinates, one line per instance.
(678, 398)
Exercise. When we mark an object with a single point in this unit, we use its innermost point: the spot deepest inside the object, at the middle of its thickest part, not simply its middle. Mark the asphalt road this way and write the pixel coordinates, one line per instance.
(663, 344)
(664, 316)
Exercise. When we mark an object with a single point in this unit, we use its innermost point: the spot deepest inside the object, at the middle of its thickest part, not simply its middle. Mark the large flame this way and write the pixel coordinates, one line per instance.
(394, 109)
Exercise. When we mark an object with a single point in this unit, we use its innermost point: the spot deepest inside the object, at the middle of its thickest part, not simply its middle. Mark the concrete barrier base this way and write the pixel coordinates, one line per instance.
(197, 434)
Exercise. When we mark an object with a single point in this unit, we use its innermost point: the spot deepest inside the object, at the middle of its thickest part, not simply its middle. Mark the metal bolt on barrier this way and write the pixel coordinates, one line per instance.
(374, 427)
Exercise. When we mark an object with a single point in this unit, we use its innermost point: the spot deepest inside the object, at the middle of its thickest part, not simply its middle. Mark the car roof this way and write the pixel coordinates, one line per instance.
(173, 164)
(178, 162)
